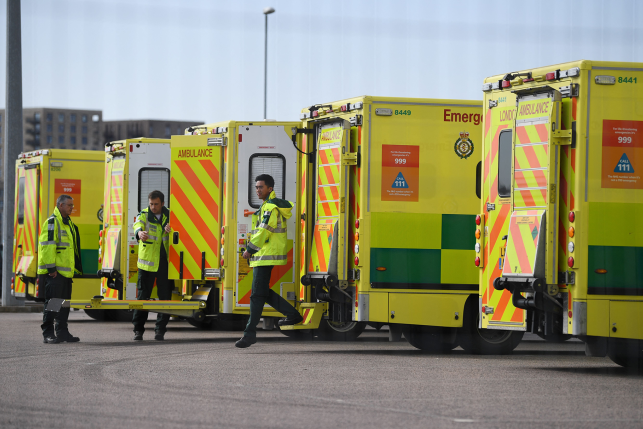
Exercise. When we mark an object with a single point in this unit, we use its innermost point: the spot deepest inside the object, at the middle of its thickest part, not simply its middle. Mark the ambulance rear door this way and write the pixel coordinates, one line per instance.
(264, 149)
(113, 221)
(149, 170)
(27, 227)
(195, 207)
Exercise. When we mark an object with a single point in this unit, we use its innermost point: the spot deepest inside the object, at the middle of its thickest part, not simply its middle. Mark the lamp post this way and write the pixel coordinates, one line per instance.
(266, 11)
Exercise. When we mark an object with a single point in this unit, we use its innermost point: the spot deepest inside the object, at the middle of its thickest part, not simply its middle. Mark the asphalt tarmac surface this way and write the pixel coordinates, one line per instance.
(199, 379)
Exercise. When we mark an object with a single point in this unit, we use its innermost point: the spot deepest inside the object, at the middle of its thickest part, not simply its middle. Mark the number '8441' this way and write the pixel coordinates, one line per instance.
(626, 80)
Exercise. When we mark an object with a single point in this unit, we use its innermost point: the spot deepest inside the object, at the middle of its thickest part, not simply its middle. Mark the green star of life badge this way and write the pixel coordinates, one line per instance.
(463, 146)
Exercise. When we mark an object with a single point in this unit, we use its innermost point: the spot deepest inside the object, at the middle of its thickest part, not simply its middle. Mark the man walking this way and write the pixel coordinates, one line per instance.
(152, 230)
(58, 261)
(267, 248)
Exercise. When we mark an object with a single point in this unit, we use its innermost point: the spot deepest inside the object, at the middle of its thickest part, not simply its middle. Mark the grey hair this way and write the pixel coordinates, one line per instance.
(61, 199)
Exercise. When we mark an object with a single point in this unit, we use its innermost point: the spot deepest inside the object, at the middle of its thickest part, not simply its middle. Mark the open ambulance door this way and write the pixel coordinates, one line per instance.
(112, 233)
(327, 268)
(265, 148)
(530, 266)
(27, 228)
(196, 202)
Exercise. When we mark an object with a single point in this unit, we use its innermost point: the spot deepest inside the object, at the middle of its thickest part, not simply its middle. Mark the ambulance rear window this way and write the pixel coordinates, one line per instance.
(504, 164)
(272, 164)
(21, 200)
(153, 179)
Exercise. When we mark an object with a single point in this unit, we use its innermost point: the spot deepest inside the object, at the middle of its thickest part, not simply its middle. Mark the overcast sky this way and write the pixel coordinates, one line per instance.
(203, 59)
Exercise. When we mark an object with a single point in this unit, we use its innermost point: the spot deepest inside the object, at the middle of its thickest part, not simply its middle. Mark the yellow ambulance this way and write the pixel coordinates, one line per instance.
(41, 176)
(558, 245)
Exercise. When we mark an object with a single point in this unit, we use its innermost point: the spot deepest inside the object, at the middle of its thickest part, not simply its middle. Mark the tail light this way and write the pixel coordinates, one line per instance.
(478, 220)
(357, 236)
(222, 240)
(357, 224)
(570, 262)
(477, 233)
(356, 260)
(222, 230)
(221, 261)
(571, 216)
(477, 261)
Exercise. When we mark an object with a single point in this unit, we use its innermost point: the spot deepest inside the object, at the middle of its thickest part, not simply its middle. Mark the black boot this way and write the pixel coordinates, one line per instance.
(245, 342)
(159, 336)
(66, 337)
(50, 339)
(291, 320)
(138, 336)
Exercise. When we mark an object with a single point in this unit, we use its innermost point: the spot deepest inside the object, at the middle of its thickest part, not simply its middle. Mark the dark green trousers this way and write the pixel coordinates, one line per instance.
(262, 294)
(144, 287)
(58, 287)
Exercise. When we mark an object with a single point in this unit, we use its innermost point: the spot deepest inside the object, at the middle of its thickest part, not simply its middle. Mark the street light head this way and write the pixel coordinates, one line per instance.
(268, 10)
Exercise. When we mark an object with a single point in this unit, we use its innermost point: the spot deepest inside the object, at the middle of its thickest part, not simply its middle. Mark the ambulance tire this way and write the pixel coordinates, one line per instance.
(97, 314)
(331, 331)
(485, 341)
(434, 339)
(627, 353)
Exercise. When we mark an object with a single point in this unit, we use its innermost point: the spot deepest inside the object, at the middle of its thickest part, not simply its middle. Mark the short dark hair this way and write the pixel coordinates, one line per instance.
(267, 179)
(62, 198)
(156, 194)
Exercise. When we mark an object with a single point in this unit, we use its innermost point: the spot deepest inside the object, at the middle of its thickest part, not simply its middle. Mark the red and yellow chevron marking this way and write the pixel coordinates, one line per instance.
(280, 274)
(354, 196)
(17, 230)
(522, 244)
(308, 316)
(322, 240)
(116, 193)
(531, 156)
(195, 189)
(497, 223)
(110, 244)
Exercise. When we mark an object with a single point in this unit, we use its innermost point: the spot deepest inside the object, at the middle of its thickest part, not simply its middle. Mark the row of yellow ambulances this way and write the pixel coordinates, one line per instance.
(559, 246)
(385, 192)
(41, 176)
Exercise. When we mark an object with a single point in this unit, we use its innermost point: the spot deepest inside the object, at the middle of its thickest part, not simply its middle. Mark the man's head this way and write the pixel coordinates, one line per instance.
(65, 205)
(264, 186)
(157, 201)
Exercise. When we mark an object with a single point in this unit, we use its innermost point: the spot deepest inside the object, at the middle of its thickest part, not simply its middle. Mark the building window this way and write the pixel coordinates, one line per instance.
(36, 117)
(151, 130)
(72, 117)
(61, 117)
(168, 132)
(50, 128)
(95, 118)
(61, 140)
(61, 128)
(84, 130)
(178, 131)
(50, 140)
(49, 117)
(72, 139)
(84, 118)
(84, 140)
(37, 127)
(37, 139)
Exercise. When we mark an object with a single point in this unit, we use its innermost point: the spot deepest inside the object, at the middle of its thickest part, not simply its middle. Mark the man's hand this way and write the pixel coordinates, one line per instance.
(143, 236)
(246, 255)
(167, 228)
(54, 274)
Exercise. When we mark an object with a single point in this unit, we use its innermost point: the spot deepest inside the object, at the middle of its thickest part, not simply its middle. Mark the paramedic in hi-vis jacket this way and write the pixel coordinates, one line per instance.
(267, 247)
(152, 230)
(58, 261)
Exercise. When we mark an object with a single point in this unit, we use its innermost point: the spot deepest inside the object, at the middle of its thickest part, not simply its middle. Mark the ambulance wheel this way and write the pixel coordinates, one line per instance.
(627, 353)
(339, 331)
(434, 339)
(97, 314)
(485, 341)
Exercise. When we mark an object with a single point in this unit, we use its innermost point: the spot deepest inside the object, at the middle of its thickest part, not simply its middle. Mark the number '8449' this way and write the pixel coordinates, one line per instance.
(402, 112)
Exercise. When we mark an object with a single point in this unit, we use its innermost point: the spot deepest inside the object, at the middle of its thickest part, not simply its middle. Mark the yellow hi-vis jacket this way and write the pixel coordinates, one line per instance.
(59, 246)
(149, 252)
(268, 239)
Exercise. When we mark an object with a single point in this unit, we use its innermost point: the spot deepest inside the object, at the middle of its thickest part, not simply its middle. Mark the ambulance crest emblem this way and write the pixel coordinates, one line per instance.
(463, 146)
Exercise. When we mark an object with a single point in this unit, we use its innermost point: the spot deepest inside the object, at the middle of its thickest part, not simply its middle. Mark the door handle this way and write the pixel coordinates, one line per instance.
(247, 213)
(175, 238)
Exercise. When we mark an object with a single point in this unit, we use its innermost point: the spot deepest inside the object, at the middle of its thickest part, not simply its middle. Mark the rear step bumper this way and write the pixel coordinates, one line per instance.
(190, 309)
